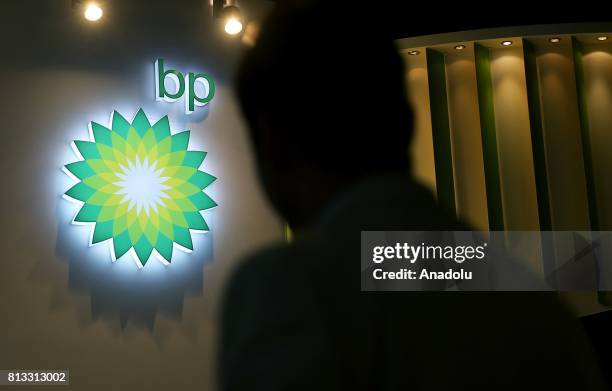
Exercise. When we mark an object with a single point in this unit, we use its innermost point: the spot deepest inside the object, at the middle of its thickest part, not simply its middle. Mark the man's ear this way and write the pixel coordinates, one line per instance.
(266, 154)
(262, 136)
(272, 145)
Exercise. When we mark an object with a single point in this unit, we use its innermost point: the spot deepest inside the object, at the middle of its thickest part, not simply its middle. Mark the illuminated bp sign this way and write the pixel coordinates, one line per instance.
(139, 185)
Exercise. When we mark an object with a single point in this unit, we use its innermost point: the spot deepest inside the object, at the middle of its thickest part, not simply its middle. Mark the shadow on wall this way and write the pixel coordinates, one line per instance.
(122, 289)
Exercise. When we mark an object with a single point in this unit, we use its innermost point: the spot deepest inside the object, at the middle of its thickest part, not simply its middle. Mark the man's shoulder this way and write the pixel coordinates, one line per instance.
(268, 287)
(278, 267)
(274, 259)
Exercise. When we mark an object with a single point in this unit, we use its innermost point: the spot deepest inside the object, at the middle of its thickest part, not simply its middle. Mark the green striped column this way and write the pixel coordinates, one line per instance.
(585, 135)
(537, 136)
(489, 138)
(603, 297)
(440, 124)
(538, 149)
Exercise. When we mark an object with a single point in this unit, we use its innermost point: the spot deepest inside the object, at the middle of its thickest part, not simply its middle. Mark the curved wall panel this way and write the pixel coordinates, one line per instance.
(530, 127)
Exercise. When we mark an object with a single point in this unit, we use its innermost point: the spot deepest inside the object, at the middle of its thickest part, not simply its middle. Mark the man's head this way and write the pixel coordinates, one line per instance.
(323, 93)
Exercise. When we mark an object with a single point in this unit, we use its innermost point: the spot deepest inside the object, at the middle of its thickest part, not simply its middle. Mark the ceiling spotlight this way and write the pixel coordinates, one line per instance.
(554, 40)
(93, 12)
(413, 52)
(602, 38)
(506, 43)
(459, 47)
(232, 20)
(233, 26)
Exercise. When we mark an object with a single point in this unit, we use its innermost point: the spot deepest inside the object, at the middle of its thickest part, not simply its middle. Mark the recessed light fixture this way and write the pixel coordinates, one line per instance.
(554, 40)
(232, 20)
(233, 26)
(602, 38)
(93, 12)
(506, 43)
(459, 47)
(413, 52)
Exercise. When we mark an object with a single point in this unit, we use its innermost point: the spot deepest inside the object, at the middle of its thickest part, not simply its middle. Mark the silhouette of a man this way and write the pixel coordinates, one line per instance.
(323, 94)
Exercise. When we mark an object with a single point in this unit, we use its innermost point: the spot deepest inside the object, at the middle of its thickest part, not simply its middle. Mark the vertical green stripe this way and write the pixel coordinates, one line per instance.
(489, 137)
(584, 134)
(538, 150)
(440, 125)
(287, 232)
(537, 136)
(603, 297)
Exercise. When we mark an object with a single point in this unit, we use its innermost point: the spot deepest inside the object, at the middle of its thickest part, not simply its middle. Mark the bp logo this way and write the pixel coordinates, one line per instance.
(140, 187)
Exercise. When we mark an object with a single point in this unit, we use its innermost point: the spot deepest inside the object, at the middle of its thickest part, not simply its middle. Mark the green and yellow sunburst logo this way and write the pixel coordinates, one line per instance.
(140, 187)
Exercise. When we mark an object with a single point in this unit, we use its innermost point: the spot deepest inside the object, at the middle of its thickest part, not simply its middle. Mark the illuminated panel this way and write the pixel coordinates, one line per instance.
(140, 188)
